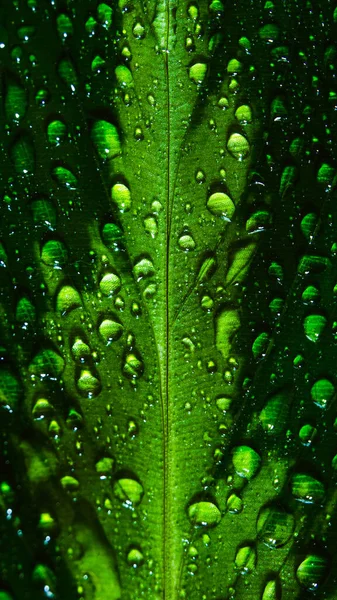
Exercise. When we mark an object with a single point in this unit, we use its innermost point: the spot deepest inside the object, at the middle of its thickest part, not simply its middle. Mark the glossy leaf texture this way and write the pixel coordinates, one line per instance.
(168, 280)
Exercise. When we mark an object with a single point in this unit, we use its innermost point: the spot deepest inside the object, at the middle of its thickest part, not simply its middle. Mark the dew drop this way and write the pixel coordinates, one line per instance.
(314, 326)
(15, 102)
(138, 31)
(104, 467)
(220, 204)
(238, 146)
(110, 284)
(124, 76)
(88, 385)
(67, 299)
(143, 268)
(275, 526)
(186, 242)
(106, 139)
(54, 254)
(56, 132)
(64, 177)
(135, 558)
(245, 559)
(150, 225)
(133, 367)
(243, 114)
(307, 489)
(10, 390)
(129, 491)
(322, 392)
(197, 72)
(234, 504)
(80, 350)
(121, 195)
(23, 155)
(206, 514)
(312, 571)
(246, 461)
(110, 330)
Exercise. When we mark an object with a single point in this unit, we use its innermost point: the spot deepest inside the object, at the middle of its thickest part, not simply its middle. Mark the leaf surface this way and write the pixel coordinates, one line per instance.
(168, 258)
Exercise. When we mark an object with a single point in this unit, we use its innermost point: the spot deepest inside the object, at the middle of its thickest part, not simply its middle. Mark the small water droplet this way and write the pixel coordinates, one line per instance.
(245, 559)
(110, 284)
(88, 385)
(322, 392)
(275, 526)
(312, 571)
(106, 139)
(197, 72)
(307, 489)
(314, 326)
(110, 330)
(54, 254)
(67, 299)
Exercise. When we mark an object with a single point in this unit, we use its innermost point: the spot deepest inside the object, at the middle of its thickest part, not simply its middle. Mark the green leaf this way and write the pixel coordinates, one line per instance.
(167, 300)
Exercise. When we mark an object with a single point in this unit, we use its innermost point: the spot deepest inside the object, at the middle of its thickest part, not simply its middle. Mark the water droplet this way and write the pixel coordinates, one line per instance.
(275, 526)
(314, 326)
(221, 205)
(15, 102)
(322, 392)
(110, 284)
(204, 513)
(234, 504)
(124, 76)
(67, 73)
(246, 461)
(44, 212)
(110, 330)
(186, 242)
(243, 114)
(56, 132)
(67, 299)
(207, 303)
(135, 557)
(260, 346)
(307, 489)
(69, 483)
(80, 350)
(308, 225)
(129, 491)
(274, 415)
(121, 195)
(44, 578)
(138, 30)
(104, 467)
(238, 146)
(113, 236)
(311, 295)
(64, 26)
(234, 66)
(197, 72)
(47, 364)
(312, 571)
(25, 313)
(10, 390)
(272, 590)
(307, 434)
(54, 254)
(106, 139)
(23, 155)
(150, 225)
(88, 385)
(42, 409)
(245, 559)
(143, 268)
(64, 177)
(269, 33)
(259, 221)
(133, 366)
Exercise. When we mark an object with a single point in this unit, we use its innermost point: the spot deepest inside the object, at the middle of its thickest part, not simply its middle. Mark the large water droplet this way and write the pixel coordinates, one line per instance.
(56, 132)
(54, 254)
(88, 385)
(133, 366)
(23, 155)
(307, 489)
(204, 513)
(238, 146)
(245, 559)
(198, 72)
(47, 364)
(110, 284)
(106, 139)
(221, 205)
(273, 416)
(10, 390)
(312, 571)
(67, 299)
(110, 330)
(275, 526)
(314, 326)
(120, 194)
(129, 491)
(246, 461)
(322, 392)
(135, 557)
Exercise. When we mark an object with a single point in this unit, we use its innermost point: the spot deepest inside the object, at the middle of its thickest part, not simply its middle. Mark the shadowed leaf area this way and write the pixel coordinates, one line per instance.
(168, 282)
